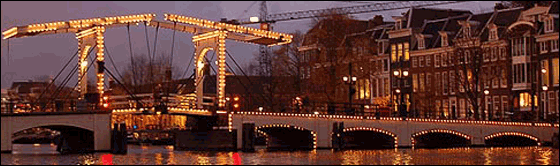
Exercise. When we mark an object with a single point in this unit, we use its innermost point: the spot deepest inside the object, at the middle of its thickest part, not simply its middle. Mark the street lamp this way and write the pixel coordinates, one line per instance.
(350, 80)
(486, 92)
(400, 76)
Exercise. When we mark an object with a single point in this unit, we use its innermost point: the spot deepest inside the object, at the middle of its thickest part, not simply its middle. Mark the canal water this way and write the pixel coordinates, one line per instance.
(24, 154)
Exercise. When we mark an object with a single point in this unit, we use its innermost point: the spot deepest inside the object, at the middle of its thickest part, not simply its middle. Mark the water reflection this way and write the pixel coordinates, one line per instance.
(148, 155)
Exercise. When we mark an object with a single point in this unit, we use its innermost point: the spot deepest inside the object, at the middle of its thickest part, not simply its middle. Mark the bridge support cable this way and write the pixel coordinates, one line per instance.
(186, 70)
(245, 87)
(67, 79)
(240, 69)
(112, 62)
(126, 89)
(170, 79)
(60, 72)
(132, 60)
(150, 57)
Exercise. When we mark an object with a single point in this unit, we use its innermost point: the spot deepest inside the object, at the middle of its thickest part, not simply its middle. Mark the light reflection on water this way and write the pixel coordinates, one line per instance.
(142, 155)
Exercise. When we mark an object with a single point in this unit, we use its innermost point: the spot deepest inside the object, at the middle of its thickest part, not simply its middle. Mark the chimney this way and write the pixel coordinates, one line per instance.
(377, 20)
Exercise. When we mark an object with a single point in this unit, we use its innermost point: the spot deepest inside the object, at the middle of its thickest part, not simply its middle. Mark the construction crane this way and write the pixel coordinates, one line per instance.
(375, 7)
(266, 19)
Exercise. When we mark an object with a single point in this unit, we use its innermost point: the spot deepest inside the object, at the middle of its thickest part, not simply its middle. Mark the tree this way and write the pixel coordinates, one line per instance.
(327, 33)
(468, 71)
(140, 72)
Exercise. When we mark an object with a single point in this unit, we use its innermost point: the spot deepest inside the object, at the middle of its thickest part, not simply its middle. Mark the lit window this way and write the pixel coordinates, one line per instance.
(422, 85)
(493, 33)
(414, 82)
(406, 51)
(400, 51)
(394, 52)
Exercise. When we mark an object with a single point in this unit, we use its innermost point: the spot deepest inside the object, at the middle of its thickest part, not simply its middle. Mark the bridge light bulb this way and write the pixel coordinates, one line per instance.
(254, 19)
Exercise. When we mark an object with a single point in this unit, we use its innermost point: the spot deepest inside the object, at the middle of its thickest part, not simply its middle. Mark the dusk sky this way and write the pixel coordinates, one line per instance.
(45, 55)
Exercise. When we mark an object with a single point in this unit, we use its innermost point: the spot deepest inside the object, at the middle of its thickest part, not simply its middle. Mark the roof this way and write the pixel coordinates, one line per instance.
(25, 87)
(416, 16)
(431, 28)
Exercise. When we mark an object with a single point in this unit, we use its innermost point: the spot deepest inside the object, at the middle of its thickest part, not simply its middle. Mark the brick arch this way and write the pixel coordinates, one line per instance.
(257, 129)
(386, 132)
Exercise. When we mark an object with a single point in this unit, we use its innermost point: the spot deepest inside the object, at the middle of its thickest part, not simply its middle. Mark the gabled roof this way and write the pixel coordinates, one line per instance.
(431, 29)
(25, 87)
(416, 16)
(501, 18)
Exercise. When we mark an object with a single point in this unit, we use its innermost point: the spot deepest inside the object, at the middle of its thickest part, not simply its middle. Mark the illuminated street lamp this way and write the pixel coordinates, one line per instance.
(254, 19)
(350, 81)
(400, 76)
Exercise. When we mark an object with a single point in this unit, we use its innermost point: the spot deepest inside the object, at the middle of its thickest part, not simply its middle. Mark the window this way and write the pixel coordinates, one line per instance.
(444, 59)
(497, 109)
(503, 54)
(554, 45)
(400, 51)
(552, 102)
(394, 52)
(504, 78)
(495, 79)
(406, 51)
(428, 60)
(544, 66)
(438, 84)
(543, 47)
(421, 42)
(436, 64)
(452, 82)
(386, 90)
(414, 83)
(486, 54)
(505, 106)
(381, 47)
(422, 85)
(414, 61)
(467, 31)
(421, 61)
(555, 71)
(548, 25)
(461, 110)
(444, 39)
(494, 53)
(445, 83)
(428, 78)
(493, 33)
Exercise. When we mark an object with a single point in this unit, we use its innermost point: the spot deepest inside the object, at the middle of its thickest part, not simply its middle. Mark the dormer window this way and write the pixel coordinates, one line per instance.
(381, 47)
(421, 42)
(444, 39)
(493, 35)
(398, 24)
(548, 25)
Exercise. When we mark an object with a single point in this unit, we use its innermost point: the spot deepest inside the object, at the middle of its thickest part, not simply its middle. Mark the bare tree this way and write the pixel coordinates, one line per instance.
(469, 72)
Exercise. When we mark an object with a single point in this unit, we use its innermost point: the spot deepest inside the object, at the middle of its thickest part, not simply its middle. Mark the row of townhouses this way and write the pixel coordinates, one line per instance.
(442, 63)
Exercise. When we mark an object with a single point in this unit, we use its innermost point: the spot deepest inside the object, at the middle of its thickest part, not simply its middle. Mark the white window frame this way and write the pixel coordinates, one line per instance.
(554, 45)
(421, 42)
(543, 47)
(444, 40)
(548, 25)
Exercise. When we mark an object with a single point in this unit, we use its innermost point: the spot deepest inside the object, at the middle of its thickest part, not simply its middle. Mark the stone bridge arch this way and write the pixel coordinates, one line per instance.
(511, 138)
(384, 133)
(94, 126)
(273, 140)
(423, 138)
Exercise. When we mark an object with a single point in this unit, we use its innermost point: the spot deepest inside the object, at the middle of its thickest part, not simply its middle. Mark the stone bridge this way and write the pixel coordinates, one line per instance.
(90, 129)
(316, 131)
